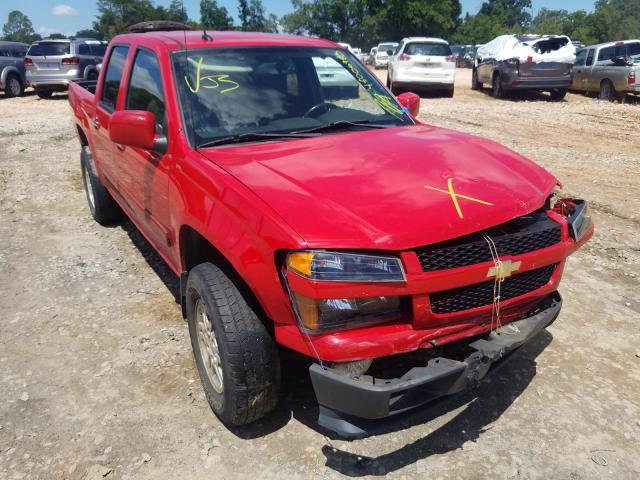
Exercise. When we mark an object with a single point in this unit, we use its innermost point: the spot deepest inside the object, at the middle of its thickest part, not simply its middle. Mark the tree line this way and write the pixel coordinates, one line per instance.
(364, 23)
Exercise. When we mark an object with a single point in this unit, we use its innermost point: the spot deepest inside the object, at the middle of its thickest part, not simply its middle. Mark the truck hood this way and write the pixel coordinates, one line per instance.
(388, 189)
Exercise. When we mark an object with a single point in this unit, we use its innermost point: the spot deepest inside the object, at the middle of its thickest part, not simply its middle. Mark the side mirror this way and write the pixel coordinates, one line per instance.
(411, 102)
(136, 128)
(390, 53)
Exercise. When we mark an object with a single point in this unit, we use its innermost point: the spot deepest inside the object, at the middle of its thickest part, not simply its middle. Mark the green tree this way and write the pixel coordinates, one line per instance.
(89, 33)
(213, 16)
(18, 28)
(616, 20)
(116, 15)
(254, 18)
(512, 13)
(404, 18)
(176, 13)
(56, 36)
(479, 28)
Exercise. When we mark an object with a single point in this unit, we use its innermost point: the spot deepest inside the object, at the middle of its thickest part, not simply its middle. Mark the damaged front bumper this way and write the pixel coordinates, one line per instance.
(355, 406)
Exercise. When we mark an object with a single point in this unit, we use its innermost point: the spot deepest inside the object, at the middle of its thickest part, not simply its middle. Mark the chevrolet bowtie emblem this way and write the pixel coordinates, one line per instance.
(503, 269)
(455, 196)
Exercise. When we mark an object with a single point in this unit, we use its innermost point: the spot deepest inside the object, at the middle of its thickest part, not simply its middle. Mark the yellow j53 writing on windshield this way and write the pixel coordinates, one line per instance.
(221, 82)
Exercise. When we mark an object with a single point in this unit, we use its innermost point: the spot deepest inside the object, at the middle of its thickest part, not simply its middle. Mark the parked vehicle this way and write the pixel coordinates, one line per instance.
(346, 230)
(12, 74)
(383, 53)
(372, 55)
(52, 64)
(610, 69)
(525, 62)
(422, 63)
(468, 56)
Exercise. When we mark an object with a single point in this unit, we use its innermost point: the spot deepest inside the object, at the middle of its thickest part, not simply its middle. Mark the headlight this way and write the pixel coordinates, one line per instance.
(322, 315)
(345, 267)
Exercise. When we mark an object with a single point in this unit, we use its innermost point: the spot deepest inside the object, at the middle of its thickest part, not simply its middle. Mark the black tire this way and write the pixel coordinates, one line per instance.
(102, 206)
(449, 93)
(607, 91)
(496, 87)
(92, 75)
(246, 355)
(44, 92)
(475, 85)
(388, 81)
(558, 94)
(13, 86)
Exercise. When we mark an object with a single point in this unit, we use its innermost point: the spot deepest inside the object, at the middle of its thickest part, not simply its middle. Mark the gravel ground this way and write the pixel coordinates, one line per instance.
(98, 380)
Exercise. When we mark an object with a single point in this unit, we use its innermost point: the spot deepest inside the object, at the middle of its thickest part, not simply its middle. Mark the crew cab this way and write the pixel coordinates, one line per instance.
(344, 230)
(609, 69)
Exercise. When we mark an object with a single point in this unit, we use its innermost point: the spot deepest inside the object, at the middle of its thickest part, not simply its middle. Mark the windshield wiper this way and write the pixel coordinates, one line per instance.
(344, 124)
(252, 137)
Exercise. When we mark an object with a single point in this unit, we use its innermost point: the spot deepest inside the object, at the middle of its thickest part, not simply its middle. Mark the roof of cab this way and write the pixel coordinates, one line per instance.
(194, 39)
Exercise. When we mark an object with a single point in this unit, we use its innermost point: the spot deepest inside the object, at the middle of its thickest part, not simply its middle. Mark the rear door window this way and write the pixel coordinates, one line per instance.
(113, 76)
(423, 48)
(581, 56)
(606, 54)
(633, 49)
(49, 49)
(145, 87)
(83, 49)
(98, 50)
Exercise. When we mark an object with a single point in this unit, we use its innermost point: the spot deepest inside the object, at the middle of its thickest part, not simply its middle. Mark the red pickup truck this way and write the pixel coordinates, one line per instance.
(304, 207)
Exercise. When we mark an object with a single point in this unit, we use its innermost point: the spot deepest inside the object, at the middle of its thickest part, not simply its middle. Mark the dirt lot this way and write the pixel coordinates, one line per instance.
(97, 377)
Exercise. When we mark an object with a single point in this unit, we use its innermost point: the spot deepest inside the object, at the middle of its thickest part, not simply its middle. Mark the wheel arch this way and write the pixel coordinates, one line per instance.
(195, 249)
(10, 70)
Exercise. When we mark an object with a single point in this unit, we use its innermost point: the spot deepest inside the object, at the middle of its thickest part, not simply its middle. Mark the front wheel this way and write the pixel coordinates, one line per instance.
(237, 359)
(44, 92)
(558, 94)
(475, 84)
(496, 87)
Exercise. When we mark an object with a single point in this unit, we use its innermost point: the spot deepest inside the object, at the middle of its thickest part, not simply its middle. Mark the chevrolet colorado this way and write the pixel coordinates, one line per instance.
(406, 260)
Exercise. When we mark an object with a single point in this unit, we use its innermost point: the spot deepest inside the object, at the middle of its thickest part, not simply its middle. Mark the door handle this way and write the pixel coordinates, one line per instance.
(95, 122)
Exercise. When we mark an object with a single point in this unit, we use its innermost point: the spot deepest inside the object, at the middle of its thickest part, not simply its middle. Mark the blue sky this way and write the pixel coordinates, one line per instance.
(69, 16)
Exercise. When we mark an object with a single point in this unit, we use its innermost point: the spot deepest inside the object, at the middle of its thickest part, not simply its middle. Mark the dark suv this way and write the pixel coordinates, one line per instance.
(525, 62)
(12, 74)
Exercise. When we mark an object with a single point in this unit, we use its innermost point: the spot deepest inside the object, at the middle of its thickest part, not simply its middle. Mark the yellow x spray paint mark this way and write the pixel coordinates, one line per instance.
(455, 196)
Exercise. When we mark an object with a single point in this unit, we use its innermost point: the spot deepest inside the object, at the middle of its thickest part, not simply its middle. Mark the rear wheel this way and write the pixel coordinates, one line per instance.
(236, 358)
(44, 92)
(93, 75)
(558, 94)
(102, 206)
(13, 87)
(496, 87)
(449, 93)
(607, 91)
(475, 84)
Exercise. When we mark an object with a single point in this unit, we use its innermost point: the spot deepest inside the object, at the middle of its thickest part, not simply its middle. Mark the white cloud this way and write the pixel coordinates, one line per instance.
(63, 10)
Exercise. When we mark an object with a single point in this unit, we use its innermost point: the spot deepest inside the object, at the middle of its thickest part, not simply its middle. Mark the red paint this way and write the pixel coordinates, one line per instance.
(354, 191)
(134, 128)
(411, 102)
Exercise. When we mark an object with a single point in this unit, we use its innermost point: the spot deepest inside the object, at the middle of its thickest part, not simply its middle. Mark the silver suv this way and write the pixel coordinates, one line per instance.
(12, 78)
(52, 64)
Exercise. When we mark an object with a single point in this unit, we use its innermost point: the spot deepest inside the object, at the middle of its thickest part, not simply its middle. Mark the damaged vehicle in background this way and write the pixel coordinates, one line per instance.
(611, 70)
(525, 63)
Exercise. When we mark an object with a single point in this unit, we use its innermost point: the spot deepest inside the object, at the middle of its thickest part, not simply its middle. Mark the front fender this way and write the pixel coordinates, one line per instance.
(237, 223)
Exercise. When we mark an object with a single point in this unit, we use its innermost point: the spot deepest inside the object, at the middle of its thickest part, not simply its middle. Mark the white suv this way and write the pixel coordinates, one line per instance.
(422, 63)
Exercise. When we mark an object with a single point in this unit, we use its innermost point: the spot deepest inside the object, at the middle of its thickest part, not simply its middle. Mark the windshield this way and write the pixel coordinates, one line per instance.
(48, 49)
(383, 47)
(236, 91)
